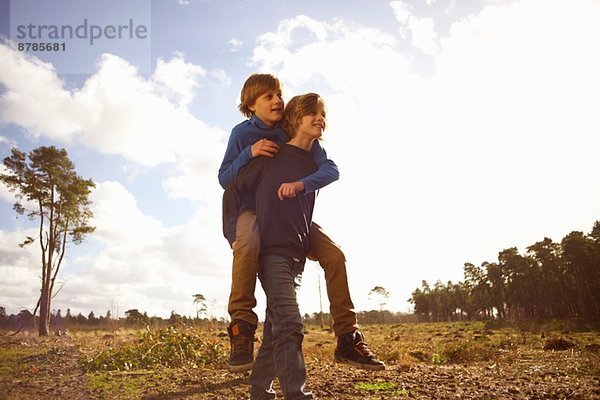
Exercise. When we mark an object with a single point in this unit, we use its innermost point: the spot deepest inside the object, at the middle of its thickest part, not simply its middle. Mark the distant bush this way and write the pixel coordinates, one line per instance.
(558, 344)
(170, 347)
(462, 352)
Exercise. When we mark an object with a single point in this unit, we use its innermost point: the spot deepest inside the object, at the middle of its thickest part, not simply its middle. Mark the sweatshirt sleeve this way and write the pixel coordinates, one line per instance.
(327, 170)
(246, 182)
(236, 156)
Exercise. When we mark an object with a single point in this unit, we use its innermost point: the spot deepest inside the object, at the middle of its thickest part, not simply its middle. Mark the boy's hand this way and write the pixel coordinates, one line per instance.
(264, 147)
(289, 190)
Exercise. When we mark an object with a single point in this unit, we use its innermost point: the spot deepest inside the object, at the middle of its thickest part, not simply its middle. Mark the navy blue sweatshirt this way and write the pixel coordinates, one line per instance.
(283, 224)
(239, 154)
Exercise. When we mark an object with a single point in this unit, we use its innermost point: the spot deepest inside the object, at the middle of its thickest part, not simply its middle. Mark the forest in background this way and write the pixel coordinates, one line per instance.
(550, 281)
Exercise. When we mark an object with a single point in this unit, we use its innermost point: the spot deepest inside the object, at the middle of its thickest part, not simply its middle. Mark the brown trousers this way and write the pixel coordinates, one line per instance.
(246, 248)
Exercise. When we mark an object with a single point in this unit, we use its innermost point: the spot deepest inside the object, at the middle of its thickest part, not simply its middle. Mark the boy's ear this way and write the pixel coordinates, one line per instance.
(252, 107)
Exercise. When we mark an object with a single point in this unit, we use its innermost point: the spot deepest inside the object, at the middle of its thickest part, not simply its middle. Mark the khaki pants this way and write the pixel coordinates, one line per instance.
(245, 267)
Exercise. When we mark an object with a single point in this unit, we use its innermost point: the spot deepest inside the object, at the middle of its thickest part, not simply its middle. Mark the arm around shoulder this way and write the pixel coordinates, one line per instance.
(326, 173)
(236, 156)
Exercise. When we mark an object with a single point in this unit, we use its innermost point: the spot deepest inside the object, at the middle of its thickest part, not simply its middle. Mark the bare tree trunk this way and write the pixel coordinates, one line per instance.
(45, 295)
(44, 327)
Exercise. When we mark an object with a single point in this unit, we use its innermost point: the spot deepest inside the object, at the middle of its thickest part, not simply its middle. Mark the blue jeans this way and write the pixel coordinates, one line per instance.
(280, 353)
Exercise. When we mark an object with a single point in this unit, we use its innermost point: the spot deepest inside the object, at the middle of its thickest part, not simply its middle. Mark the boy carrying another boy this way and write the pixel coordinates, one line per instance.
(285, 240)
(261, 136)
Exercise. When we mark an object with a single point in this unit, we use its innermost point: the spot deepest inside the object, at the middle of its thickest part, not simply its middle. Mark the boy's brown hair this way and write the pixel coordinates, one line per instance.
(296, 108)
(255, 86)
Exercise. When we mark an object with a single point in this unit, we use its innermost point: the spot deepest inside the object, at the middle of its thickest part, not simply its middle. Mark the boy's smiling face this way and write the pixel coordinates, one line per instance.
(269, 107)
(314, 123)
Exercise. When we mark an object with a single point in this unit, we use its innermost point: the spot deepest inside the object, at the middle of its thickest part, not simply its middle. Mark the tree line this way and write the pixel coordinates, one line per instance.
(551, 280)
(133, 318)
(60, 322)
(364, 318)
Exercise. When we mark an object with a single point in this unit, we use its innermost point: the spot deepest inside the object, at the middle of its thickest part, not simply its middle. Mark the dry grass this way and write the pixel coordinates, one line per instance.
(425, 361)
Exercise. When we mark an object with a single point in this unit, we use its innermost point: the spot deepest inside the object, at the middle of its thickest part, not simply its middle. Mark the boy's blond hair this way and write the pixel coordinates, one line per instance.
(296, 108)
(255, 86)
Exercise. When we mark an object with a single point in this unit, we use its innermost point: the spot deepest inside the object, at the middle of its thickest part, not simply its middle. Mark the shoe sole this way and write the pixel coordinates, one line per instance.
(359, 365)
(240, 368)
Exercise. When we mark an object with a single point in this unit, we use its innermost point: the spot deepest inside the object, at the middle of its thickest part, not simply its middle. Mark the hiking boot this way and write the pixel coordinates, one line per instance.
(241, 340)
(351, 349)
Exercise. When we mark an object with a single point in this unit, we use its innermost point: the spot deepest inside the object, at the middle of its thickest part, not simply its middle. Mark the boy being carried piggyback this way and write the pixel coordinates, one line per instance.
(260, 136)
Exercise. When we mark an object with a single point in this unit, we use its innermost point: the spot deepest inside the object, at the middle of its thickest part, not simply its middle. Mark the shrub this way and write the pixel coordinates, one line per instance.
(558, 344)
(170, 347)
(466, 351)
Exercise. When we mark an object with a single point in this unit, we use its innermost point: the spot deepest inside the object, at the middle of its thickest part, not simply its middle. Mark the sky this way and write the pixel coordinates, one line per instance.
(460, 128)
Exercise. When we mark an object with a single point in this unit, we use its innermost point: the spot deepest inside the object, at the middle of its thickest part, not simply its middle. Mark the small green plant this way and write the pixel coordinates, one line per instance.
(389, 353)
(467, 351)
(437, 357)
(170, 347)
(461, 351)
(380, 387)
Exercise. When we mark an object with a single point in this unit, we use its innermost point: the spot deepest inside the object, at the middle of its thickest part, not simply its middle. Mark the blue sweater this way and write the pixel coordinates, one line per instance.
(284, 226)
(239, 154)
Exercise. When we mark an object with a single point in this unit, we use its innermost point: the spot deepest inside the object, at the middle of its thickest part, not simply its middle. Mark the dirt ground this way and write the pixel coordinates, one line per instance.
(424, 361)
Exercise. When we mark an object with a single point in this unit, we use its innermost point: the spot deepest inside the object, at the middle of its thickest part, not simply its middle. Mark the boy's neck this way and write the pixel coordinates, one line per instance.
(301, 141)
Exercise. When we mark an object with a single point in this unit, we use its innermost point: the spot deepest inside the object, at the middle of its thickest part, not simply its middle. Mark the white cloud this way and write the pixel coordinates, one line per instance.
(283, 38)
(5, 193)
(236, 45)
(424, 35)
(8, 141)
(30, 83)
(123, 228)
(142, 259)
(178, 78)
(401, 11)
(221, 76)
(116, 111)
(146, 263)
(194, 181)
(118, 220)
(15, 256)
(131, 257)
(495, 149)
(125, 114)
(420, 30)
(10, 196)
(20, 270)
(357, 50)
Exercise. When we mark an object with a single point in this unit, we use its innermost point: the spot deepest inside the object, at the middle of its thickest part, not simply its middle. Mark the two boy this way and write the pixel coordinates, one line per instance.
(262, 136)
(284, 227)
